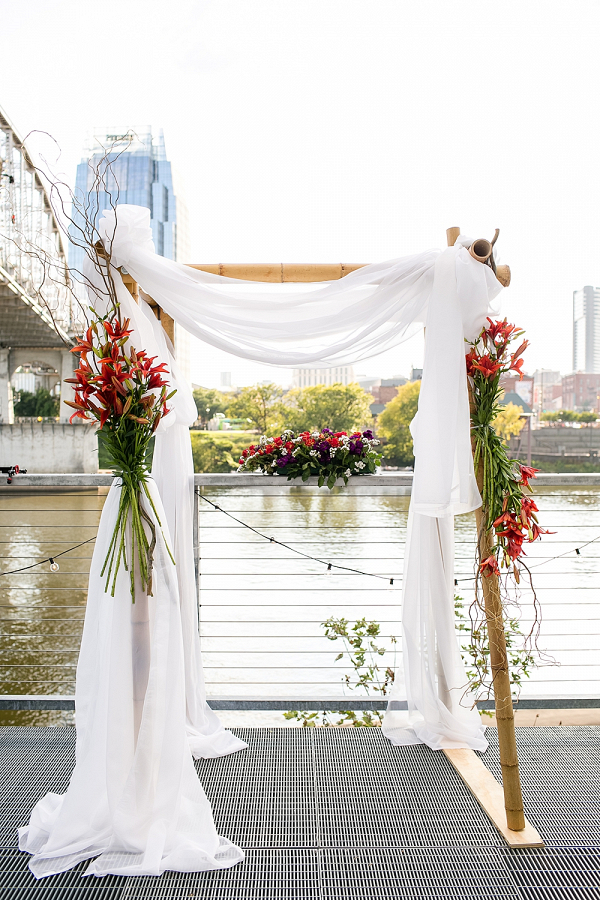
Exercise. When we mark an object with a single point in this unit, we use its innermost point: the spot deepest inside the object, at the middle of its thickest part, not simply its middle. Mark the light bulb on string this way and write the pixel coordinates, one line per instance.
(391, 585)
(54, 567)
(328, 569)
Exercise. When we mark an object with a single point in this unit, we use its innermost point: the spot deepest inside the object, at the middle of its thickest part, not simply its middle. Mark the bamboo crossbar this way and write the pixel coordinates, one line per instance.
(281, 273)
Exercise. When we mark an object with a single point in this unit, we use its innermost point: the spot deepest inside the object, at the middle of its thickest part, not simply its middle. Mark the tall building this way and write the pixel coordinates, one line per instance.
(309, 377)
(135, 170)
(547, 389)
(586, 330)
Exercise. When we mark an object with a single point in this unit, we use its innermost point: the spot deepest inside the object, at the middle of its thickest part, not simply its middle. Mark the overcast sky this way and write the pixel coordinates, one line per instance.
(343, 131)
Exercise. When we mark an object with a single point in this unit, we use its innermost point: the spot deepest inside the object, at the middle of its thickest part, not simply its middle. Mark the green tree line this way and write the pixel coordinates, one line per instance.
(42, 403)
(268, 409)
(568, 415)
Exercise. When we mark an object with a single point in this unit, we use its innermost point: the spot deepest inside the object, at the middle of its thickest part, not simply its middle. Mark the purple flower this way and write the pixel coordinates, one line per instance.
(284, 460)
(326, 431)
(324, 448)
(356, 447)
(368, 434)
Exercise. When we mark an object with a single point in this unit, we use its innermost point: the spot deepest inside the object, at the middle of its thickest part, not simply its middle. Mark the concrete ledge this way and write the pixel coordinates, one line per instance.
(43, 701)
(232, 479)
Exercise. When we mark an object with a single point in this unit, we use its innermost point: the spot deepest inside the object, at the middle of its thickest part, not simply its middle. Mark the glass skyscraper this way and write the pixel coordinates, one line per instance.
(134, 168)
(586, 330)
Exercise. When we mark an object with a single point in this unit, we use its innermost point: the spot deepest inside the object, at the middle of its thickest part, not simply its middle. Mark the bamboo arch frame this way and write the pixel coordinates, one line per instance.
(502, 803)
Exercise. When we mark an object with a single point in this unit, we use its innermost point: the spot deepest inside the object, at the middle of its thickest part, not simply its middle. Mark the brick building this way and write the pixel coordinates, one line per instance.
(511, 384)
(580, 391)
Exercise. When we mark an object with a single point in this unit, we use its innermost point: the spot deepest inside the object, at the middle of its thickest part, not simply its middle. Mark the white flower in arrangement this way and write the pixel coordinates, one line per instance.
(360, 465)
(274, 463)
(348, 473)
(315, 434)
(313, 452)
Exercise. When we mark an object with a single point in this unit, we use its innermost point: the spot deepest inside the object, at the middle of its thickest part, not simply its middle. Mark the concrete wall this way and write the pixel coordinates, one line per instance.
(49, 448)
(559, 440)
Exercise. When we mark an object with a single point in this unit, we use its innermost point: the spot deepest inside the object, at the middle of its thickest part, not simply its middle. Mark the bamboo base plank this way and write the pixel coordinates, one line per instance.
(490, 796)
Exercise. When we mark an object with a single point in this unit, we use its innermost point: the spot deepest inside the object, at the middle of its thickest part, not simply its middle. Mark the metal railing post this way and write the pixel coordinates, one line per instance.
(196, 534)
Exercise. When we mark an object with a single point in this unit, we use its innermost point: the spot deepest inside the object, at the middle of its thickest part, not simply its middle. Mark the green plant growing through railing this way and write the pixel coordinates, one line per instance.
(367, 675)
(362, 652)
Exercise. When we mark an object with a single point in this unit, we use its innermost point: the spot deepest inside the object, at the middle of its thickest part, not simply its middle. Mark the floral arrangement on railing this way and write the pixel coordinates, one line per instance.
(328, 454)
(508, 507)
(120, 388)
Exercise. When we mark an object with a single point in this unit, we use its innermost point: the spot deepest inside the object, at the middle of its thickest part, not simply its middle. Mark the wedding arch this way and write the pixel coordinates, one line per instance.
(134, 801)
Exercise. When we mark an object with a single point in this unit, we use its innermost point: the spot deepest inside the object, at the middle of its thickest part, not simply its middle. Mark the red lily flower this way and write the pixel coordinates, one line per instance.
(516, 367)
(529, 505)
(489, 567)
(536, 532)
(527, 473)
(117, 330)
(486, 366)
(503, 329)
(470, 356)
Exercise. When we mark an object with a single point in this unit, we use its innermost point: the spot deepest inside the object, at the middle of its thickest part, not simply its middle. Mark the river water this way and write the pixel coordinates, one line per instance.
(262, 606)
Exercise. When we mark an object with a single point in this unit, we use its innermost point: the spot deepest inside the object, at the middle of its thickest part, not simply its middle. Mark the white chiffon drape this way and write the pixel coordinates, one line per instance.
(134, 798)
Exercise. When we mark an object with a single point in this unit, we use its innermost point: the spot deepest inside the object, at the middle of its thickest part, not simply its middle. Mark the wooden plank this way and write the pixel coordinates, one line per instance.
(490, 796)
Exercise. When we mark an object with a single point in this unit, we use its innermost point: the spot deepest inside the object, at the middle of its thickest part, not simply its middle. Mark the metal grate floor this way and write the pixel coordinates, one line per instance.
(341, 813)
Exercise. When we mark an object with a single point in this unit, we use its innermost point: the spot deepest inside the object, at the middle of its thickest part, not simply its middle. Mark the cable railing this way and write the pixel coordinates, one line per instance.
(262, 602)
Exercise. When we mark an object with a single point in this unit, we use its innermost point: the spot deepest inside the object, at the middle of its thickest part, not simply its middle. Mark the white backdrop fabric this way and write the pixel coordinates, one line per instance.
(140, 700)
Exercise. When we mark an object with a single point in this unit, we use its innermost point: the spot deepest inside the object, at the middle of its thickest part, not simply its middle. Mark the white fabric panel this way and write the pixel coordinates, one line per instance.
(444, 485)
(365, 313)
(134, 799)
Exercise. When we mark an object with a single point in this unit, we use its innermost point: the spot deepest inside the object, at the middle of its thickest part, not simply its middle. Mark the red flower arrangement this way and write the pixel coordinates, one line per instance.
(327, 454)
(121, 389)
(509, 510)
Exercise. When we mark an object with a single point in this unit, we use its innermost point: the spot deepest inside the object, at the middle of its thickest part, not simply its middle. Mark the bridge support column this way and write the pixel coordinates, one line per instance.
(68, 363)
(7, 416)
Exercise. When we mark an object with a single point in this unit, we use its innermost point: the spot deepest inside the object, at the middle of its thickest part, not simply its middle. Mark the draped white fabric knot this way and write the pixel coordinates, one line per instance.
(130, 232)
(133, 797)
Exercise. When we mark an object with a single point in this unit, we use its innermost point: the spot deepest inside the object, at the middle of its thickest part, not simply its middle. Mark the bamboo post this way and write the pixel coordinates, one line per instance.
(505, 718)
(164, 318)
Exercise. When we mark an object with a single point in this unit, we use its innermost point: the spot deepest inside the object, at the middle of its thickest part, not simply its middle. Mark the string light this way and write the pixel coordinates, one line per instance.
(49, 559)
(55, 567)
(273, 540)
(331, 566)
